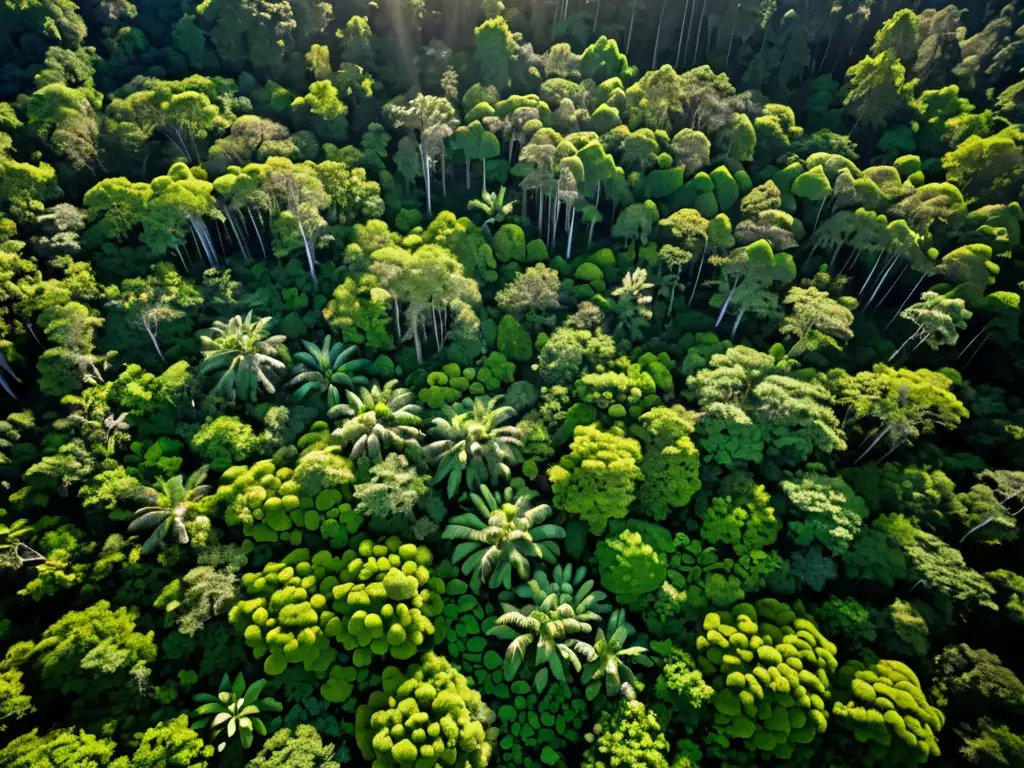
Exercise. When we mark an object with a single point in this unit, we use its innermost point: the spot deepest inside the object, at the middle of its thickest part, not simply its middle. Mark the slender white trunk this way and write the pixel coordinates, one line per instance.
(152, 338)
(867, 281)
(970, 344)
(597, 14)
(892, 284)
(572, 228)
(310, 256)
(878, 436)
(629, 37)
(910, 338)
(444, 177)
(700, 26)
(700, 266)
(907, 299)
(682, 29)
(425, 159)
(736, 324)
(259, 235)
(657, 37)
(881, 282)
(725, 304)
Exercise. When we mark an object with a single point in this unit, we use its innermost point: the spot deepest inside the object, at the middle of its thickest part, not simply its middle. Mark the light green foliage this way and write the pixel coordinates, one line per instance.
(671, 463)
(633, 561)
(393, 491)
(628, 735)
(63, 748)
(385, 600)
(680, 684)
(235, 709)
(358, 309)
(503, 535)
(612, 657)
(596, 480)
(623, 389)
(823, 509)
(753, 406)
(301, 748)
(281, 618)
(94, 652)
(171, 743)
(739, 514)
(425, 716)
(271, 503)
(883, 705)
(771, 670)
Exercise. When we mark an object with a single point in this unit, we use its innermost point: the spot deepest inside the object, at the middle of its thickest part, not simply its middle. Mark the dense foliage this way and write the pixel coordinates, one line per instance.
(464, 383)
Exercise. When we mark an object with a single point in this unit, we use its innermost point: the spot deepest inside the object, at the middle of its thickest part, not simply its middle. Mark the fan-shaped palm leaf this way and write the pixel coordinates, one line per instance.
(474, 443)
(376, 420)
(245, 351)
(172, 511)
(327, 370)
(502, 534)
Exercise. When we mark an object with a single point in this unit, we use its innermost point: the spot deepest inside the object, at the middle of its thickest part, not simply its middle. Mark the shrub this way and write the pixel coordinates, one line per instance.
(426, 716)
(384, 600)
(274, 503)
(770, 668)
(883, 705)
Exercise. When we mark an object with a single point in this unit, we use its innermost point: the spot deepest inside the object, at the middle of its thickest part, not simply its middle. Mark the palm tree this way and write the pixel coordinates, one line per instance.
(235, 710)
(632, 303)
(504, 533)
(475, 444)
(561, 607)
(172, 509)
(325, 369)
(244, 350)
(610, 654)
(378, 419)
(493, 205)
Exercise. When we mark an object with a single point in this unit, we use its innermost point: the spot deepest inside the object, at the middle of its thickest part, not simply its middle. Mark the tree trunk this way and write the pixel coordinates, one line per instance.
(696, 281)
(878, 436)
(892, 285)
(816, 218)
(310, 256)
(484, 160)
(912, 292)
(444, 177)
(911, 337)
(590, 235)
(881, 282)
(682, 29)
(657, 37)
(572, 227)
(152, 338)
(597, 14)
(256, 226)
(725, 304)
(398, 317)
(425, 159)
(970, 344)
(629, 37)
(728, 50)
(700, 25)
(736, 325)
